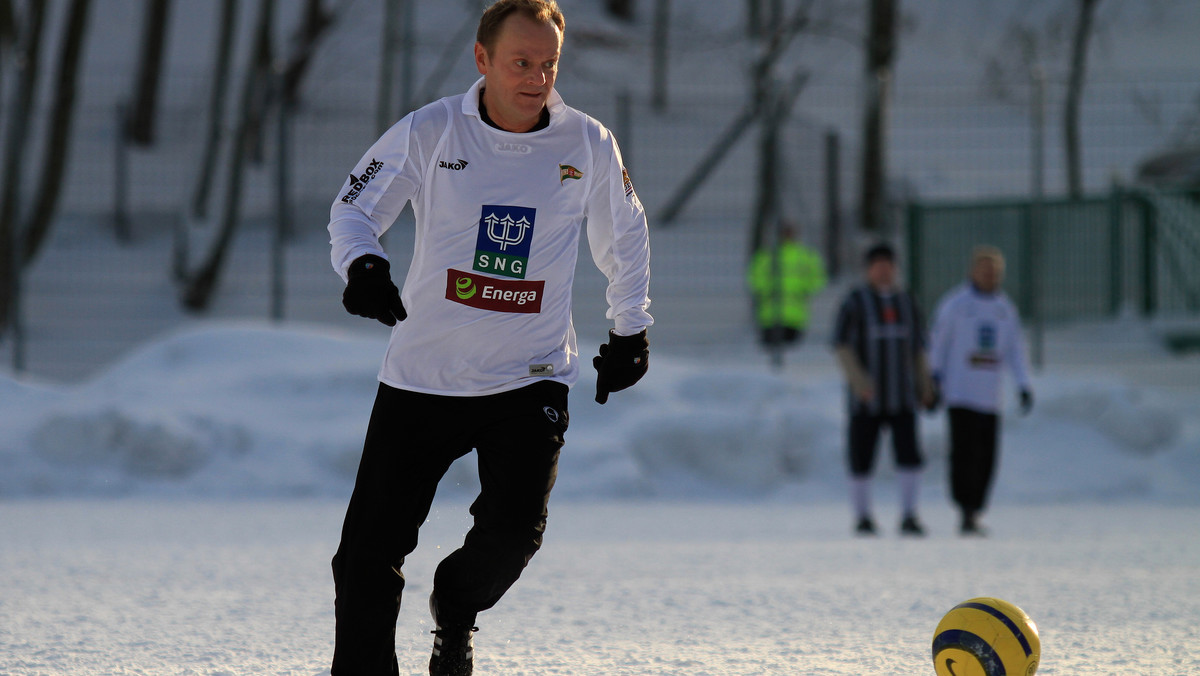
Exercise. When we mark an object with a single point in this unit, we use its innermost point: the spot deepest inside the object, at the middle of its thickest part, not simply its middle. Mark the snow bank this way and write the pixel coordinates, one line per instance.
(251, 410)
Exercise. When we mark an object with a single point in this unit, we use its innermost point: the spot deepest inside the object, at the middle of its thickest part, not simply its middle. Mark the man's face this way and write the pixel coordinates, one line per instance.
(520, 71)
(881, 273)
(987, 274)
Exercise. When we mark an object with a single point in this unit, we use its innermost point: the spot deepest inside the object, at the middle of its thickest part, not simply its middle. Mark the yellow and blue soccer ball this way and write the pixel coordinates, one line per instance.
(986, 637)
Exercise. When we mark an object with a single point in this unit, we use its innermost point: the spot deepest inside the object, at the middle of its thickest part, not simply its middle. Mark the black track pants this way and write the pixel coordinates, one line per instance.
(411, 441)
(973, 439)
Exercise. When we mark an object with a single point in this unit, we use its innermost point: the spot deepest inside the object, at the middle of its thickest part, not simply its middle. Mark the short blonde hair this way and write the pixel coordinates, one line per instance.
(987, 252)
(542, 11)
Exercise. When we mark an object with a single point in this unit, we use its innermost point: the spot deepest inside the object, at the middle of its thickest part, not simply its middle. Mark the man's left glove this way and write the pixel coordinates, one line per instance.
(370, 291)
(1026, 401)
(622, 362)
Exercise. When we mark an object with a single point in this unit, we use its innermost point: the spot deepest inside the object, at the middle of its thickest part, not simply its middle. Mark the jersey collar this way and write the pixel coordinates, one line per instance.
(470, 105)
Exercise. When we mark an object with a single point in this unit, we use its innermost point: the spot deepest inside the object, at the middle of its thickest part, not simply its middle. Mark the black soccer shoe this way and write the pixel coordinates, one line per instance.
(911, 526)
(453, 648)
(865, 527)
(970, 526)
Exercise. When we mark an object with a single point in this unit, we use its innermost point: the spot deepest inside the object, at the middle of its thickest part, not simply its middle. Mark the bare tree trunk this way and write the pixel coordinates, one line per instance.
(881, 53)
(17, 137)
(216, 106)
(139, 128)
(315, 24)
(54, 159)
(198, 293)
(1074, 160)
(259, 90)
(662, 25)
(8, 23)
(754, 18)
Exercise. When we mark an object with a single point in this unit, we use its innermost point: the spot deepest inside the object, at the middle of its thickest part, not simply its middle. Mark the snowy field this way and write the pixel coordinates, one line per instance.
(174, 512)
(177, 513)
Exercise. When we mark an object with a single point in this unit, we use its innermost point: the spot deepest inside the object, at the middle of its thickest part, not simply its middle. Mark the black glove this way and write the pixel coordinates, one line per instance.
(370, 291)
(1026, 402)
(622, 362)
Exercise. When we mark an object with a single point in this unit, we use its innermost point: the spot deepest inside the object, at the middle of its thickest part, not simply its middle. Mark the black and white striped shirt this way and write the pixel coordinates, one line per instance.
(886, 333)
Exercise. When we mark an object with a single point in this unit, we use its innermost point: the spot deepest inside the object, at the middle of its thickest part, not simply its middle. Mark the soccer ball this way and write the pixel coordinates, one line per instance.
(986, 637)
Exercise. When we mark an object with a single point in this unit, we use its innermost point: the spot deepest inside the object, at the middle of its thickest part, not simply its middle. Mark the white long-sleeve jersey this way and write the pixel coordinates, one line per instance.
(975, 336)
(498, 221)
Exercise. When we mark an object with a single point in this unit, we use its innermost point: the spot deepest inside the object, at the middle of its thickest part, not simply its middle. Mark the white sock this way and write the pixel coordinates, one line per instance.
(910, 481)
(860, 495)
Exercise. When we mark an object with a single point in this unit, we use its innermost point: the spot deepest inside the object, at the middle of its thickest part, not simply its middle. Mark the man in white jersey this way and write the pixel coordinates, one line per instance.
(502, 180)
(976, 335)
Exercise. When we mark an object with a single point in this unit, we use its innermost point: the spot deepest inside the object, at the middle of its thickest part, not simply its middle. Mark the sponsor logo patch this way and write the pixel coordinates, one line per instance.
(502, 247)
(628, 183)
(359, 183)
(518, 148)
(496, 295)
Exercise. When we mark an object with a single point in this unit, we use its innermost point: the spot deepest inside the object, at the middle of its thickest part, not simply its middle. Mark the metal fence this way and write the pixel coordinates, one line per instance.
(1131, 250)
(948, 141)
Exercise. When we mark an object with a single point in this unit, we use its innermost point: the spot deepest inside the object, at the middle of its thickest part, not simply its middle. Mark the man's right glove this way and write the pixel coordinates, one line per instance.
(370, 291)
(622, 362)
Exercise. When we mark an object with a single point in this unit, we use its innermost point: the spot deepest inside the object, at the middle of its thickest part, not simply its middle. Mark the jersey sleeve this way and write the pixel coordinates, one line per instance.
(382, 182)
(845, 327)
(1017, 358)
(618, 236)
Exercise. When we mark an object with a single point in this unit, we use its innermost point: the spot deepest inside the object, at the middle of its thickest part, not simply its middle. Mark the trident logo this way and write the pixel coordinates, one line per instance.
(505, 231)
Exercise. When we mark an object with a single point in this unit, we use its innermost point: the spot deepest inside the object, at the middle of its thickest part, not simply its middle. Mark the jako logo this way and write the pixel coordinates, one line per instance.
(518, 148)
(456, 166)
(359, 183)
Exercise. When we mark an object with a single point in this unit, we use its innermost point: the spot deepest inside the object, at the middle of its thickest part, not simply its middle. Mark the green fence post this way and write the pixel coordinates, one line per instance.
(1149, 257)
(1116, 260)
(913, 230)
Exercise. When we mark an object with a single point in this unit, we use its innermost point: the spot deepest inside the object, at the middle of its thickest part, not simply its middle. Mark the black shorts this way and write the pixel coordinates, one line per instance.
(864, 440)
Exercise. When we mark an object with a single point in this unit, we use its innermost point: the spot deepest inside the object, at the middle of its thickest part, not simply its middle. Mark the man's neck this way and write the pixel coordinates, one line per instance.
(542, 123)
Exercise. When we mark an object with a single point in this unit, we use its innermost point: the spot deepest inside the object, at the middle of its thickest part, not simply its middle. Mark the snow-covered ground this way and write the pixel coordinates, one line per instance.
(176, 515)
(173, 510)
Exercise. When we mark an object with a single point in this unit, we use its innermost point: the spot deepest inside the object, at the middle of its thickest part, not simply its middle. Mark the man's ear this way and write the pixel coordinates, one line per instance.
(481, 58)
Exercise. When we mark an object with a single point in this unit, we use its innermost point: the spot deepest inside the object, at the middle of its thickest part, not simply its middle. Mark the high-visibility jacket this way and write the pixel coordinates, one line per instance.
(782, 285)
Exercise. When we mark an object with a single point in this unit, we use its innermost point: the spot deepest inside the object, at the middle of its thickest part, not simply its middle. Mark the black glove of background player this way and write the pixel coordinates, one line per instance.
(622, 362)
(1026, 401)
(370, 291)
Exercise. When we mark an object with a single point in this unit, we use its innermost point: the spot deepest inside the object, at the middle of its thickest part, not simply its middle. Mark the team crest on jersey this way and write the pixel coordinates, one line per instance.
(566, 171)
(502, 247)
(628, 183)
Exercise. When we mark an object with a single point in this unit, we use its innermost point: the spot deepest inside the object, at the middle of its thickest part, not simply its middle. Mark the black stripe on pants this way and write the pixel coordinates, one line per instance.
(973, 440)
(411, 441)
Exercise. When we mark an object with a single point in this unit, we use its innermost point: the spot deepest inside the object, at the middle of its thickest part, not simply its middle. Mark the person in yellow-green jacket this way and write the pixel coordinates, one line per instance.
(782, 281)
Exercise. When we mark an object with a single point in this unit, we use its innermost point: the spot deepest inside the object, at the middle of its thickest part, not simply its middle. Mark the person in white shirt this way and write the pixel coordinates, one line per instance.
(502, 181)
(976, 336)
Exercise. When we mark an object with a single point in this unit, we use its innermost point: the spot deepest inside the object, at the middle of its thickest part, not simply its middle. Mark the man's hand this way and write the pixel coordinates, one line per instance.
(1026, 401)
(370, 292)
(622, 362)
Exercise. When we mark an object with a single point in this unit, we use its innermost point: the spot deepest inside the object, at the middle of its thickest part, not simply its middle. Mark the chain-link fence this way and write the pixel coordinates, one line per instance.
(948, 140)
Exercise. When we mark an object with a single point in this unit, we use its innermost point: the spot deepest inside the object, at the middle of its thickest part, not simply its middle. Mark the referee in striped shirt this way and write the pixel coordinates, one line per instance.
(879, 340)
